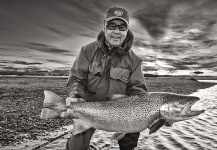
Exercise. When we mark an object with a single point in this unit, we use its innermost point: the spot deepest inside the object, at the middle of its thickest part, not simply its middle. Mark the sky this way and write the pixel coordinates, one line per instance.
(173, 37)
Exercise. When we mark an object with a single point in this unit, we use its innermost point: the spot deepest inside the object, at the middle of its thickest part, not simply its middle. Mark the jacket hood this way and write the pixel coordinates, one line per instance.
(125, 48)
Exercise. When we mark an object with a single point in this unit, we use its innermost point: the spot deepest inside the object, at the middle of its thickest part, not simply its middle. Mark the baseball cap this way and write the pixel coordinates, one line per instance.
(117, 13)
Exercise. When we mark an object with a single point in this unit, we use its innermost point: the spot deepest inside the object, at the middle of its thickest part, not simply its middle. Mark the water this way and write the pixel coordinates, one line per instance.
(199, 133)
(210, 81)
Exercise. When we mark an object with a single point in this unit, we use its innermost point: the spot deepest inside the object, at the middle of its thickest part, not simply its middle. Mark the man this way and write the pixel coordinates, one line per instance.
(105, 67)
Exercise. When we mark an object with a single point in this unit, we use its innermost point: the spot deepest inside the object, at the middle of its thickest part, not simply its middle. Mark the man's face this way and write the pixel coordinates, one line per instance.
(114, 35)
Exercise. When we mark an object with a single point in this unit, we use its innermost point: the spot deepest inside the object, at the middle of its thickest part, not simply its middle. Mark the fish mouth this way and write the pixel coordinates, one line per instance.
(190, 111)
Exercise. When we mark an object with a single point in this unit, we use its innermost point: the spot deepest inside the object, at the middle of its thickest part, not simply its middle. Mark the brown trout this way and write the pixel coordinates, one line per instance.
(128, 114)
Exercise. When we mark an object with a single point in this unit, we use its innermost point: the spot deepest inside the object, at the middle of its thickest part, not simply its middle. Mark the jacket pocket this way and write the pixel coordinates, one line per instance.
(120, 74)
(95, 71)
(119, 79)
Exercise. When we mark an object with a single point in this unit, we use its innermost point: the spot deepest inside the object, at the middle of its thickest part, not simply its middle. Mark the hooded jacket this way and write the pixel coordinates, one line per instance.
(102, 73)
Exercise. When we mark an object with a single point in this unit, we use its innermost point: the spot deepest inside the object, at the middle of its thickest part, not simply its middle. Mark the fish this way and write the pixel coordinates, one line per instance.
(125, 114)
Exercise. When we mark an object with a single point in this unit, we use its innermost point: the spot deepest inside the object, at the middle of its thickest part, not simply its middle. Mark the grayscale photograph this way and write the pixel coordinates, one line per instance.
(108, 74)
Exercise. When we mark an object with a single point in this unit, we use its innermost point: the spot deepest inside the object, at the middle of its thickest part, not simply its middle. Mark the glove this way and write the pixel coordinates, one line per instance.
(69, 101)
(77, 90)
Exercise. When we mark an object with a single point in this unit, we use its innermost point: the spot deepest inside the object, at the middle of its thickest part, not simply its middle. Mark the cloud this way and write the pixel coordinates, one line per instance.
(193, 62)
(154, 19)
(3, 61)
(54, 30)
(169, 34)
(25, 63)
(55, 61)
(45, 48)
(11, 68)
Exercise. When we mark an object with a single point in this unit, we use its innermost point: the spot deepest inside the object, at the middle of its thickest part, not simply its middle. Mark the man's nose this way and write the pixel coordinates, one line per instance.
(117, 30)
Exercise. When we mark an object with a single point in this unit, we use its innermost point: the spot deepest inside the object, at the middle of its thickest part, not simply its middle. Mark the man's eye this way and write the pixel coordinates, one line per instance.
(122, 27)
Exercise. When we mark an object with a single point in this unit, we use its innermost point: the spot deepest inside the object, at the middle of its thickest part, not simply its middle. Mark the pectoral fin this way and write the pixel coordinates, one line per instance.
(79, 126)
(117, 136)
(157, 125)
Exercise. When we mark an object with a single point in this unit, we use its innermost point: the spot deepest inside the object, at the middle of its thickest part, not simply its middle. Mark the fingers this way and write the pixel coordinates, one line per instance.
(70, 100)
(81, 100)
(72, 95)
(65, 114)
(77, 89)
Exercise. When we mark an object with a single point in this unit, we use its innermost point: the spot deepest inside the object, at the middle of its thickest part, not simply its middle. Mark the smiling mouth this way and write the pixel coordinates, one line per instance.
(114, 37)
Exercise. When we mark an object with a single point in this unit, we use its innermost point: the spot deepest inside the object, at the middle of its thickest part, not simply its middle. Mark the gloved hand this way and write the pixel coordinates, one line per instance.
(77, 90)
(69, 101)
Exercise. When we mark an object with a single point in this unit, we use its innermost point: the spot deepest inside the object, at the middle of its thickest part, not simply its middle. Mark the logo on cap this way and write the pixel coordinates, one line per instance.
(118, 13)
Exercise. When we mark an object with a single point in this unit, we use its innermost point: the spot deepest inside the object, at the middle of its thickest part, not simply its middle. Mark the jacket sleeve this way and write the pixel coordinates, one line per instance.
(136, 83)
(77, 81)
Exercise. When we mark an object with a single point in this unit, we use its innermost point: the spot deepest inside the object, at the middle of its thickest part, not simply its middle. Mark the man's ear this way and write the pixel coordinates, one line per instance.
(104, 26)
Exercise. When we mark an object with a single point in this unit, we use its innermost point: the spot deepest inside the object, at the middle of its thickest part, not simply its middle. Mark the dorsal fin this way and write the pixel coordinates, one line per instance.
(79, 126)
(156, 126)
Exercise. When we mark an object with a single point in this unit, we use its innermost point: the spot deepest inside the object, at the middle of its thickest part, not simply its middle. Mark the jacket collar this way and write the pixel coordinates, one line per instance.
(125, 48)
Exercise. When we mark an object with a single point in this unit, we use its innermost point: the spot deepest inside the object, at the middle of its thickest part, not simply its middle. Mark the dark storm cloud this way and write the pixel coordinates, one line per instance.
(56, 61)
(155, 16)
(86, 34)
(29, 68)
(148, 68)
(41, 47)
(209, 65)
(194, 62)
(32, 68)
(210, 42)
(30, 20)
(166, 48)
(46, 48)
(25, 63)
(11, 68)
(65, 72)
(51, 32)
(154, 19)
(3, 61)
(55, 30)
(10, 64)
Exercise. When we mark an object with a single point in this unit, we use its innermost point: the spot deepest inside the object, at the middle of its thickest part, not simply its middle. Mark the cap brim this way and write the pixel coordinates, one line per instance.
(112, 18)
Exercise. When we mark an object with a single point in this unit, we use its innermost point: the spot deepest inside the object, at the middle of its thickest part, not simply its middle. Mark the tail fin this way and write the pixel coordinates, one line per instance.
(51, 98)
(53, 105)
